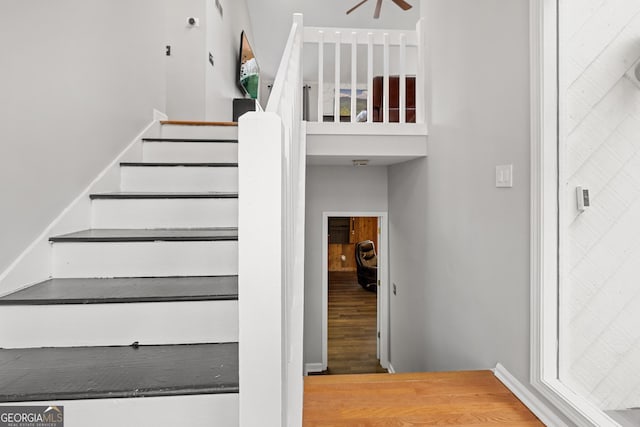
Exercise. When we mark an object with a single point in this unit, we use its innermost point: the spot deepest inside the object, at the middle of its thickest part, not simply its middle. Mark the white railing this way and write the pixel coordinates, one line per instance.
(395, 45)
(272, 158)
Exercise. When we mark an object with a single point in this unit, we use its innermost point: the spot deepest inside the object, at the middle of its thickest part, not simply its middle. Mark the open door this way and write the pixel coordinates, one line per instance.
(360, 291)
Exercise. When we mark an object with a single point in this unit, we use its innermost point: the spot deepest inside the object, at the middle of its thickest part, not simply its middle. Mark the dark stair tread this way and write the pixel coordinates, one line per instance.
(125, 290)
(149, 235)
(180, 164)
(71, 373)
(203, 140)
(164, 195)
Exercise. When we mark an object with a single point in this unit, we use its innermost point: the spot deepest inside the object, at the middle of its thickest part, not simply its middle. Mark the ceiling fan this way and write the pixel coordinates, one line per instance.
(401, 3)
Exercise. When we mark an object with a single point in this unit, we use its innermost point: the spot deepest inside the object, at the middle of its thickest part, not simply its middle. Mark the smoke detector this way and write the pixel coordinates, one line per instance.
(361, 162)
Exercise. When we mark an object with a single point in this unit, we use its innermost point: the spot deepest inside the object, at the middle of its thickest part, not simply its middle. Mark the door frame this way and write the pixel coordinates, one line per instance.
(383, 277)
(546, 165)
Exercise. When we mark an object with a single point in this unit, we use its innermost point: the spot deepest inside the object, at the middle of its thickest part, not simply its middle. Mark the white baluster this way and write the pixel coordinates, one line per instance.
(419, 95)
(336, 91)
(385, 99)
(369, 77)
(403, 78)
(354, 76)
(320, 75)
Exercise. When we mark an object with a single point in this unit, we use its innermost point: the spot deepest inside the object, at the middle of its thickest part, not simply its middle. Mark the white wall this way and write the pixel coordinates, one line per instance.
(272, 32)
(599, 318)
(332, 188)
(187, 65)
(196, 90)
(79, 81)
(460, 246)
(223, 41)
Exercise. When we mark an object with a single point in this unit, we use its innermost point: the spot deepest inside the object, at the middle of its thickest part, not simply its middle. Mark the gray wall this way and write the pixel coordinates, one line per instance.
(223, 41)
(332, 188)
(409, 309)
(459, 245)
(196, 90)
(187, 65)
(79, 82)
(467, 306)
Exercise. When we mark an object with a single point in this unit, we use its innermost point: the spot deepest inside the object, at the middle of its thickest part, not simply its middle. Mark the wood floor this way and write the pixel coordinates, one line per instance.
(471, 398)
(352, 326)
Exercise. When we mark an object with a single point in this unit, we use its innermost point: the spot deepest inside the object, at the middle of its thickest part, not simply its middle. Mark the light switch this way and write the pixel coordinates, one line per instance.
(504, 176)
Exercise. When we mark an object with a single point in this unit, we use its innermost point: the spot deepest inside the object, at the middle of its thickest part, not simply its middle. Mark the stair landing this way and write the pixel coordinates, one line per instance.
(468, 398)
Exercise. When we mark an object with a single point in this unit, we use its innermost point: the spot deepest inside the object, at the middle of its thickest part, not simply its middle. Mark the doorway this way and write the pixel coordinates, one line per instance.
(355, 299)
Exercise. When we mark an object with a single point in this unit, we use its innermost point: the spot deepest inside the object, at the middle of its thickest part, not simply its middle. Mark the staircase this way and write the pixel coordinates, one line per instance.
(144, 304)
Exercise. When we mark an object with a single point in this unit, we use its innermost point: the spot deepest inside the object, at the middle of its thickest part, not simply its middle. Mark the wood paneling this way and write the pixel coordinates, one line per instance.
(336, 251)
(469, 398)
(361, 228)
(352, 331)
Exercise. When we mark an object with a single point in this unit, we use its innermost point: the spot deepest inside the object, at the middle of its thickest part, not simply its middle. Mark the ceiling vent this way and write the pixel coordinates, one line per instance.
(362, 162)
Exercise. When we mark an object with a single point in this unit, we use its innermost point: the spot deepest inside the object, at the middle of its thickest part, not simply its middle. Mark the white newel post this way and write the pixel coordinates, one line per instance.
(260, 278)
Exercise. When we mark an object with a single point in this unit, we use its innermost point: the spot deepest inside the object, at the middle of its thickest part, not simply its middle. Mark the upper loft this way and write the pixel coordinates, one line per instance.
(363, 96)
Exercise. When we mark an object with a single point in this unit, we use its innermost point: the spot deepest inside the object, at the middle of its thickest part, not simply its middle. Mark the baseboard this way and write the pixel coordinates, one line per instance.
(535, 405)
(34, 263)
(391, 369)
(312, 367)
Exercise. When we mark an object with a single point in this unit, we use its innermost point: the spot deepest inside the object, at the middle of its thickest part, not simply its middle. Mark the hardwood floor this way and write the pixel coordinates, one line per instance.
(352, 326)
(470, 398)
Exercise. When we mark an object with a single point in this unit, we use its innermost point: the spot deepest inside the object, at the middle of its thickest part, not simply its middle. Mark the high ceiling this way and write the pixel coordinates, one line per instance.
(271, 21)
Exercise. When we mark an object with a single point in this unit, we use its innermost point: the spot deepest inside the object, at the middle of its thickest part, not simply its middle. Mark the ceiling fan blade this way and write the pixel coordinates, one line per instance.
(403, 4)
(376, 14)
(356, 6)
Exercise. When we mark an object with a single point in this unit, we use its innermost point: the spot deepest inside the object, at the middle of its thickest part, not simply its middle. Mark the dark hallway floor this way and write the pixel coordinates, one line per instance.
(352, 326)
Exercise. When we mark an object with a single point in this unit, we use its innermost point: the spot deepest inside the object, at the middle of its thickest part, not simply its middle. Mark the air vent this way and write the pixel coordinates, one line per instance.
(361, 162)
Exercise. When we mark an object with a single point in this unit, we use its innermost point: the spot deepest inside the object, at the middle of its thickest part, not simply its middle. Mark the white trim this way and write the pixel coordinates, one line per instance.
(34, 263)
(383, 276)
(544, 221)
(358, 35)
(159, 116)
(535, 405)
(312, 367)
(391, 369)
(390, 129)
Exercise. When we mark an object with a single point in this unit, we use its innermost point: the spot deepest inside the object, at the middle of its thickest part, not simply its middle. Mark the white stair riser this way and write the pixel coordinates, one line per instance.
(179, 178)
(79, 325)
(164, 213)
(202, 410)
(144, 259)
(190, 152)
(199, 132)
